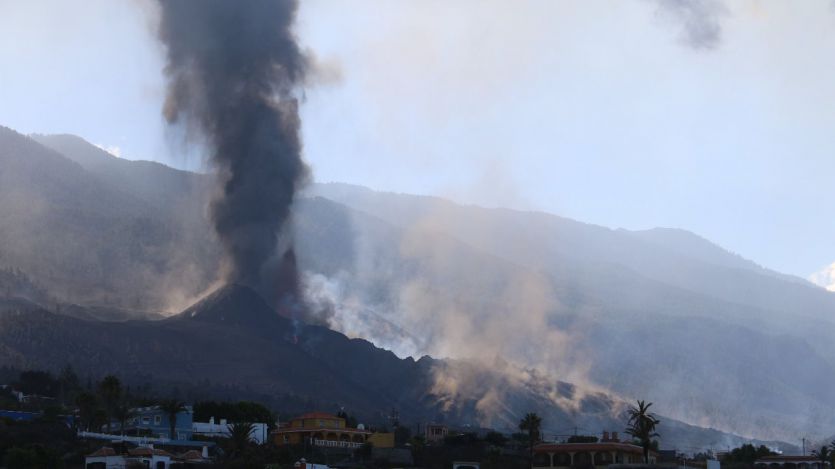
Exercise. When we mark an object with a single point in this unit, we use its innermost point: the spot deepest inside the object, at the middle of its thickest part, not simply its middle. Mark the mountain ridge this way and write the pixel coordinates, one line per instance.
(603, 290)
(187, 348)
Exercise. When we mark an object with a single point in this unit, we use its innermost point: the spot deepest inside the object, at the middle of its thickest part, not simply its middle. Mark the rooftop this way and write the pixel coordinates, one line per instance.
(317, 415)
(600, 446)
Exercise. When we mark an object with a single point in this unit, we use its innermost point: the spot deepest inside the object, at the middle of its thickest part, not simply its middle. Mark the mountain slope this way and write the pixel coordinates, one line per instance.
(550, 242)
(709, 361)
(290, 362)
(579, 303)
(148, 180)
(89, 240)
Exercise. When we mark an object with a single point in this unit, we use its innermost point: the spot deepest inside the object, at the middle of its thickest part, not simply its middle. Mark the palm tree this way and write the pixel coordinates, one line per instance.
(123, 413)
(531, 423)
(172, 407)
(642, 426)
(824, 455)
(240, 435)
(110, 390)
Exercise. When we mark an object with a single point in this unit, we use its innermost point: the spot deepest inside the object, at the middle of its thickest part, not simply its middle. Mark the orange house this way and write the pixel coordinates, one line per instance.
(320, 429)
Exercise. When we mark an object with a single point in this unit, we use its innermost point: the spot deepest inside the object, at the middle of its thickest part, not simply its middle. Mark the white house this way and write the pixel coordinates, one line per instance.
(120, 456)
(108, 458)
(260, 431)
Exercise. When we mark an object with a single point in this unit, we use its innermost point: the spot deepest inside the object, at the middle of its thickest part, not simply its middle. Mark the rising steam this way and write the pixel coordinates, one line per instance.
(233, 69)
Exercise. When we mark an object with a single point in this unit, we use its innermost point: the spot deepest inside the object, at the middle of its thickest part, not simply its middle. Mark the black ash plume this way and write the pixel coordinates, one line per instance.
(233, 70)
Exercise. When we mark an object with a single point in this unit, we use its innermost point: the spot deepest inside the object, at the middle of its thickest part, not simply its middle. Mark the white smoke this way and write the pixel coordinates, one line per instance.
(341, 310)
(825, 277)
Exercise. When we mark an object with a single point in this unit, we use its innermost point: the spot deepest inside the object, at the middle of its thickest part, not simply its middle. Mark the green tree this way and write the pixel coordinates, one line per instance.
(824, 455)
(642, 425)
(32, 457)
(86, 403)
(110, 390)
(69, 384)
(350, 420)
(531, 424)
(493, 458)
(172, 407)
(747, 454)
(495, 438)
(122, 413)
(240, 437)
(417, 444)
(40, 383)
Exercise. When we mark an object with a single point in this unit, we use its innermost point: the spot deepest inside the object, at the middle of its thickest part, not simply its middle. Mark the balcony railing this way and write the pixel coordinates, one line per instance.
(337, 444)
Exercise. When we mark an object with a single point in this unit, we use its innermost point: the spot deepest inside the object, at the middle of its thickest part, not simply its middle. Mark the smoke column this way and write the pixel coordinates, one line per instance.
(232, 71)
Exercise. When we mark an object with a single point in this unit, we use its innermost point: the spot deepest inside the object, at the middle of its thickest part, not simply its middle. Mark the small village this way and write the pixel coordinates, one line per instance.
(55, 422)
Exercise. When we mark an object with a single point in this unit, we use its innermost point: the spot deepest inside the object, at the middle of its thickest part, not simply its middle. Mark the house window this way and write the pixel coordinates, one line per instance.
(157, 419)
(146, 420)
(321, 423)
(286, 439)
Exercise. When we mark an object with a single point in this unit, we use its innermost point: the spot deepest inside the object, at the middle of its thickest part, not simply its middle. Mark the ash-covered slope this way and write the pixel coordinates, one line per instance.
(233, 340)
(232, 305)
(662, 315)
(230, 339)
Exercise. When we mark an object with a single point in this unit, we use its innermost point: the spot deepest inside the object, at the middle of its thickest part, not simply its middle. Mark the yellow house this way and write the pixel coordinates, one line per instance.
(327, 430)
(381, 440)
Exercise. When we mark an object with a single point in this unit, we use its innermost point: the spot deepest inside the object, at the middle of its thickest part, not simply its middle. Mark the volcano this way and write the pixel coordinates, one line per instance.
(233, 305)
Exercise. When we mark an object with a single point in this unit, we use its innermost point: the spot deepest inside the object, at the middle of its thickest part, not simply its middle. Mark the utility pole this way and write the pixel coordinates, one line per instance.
(804, 445)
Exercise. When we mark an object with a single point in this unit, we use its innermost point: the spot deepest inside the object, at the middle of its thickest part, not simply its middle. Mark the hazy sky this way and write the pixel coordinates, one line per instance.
(712, 116)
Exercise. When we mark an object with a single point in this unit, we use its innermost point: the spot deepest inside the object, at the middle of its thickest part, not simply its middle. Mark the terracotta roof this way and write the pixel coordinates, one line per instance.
(103, 451)
(148, 452)
(317, 415)
(776, 458)
(321, 430)
(602, 446)
(191, 455)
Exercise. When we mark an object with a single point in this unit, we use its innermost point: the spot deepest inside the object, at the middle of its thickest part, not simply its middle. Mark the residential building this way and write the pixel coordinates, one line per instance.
(589, 455)
(121, 458)
(145, 440)
(381, 440)
(21, 416)
(435, 433)
(259, 433)
(790, 462)
(154, 421)
(320, 429)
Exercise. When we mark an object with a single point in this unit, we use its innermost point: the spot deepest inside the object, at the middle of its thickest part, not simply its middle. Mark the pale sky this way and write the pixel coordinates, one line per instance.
(716, 117)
